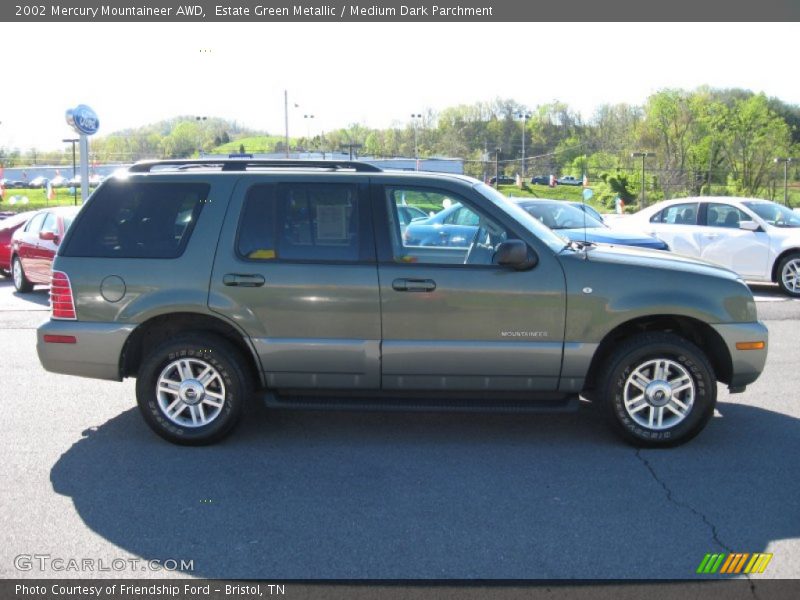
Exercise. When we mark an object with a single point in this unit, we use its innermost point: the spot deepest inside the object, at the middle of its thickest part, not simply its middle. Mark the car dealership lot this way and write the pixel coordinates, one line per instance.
(394, 495)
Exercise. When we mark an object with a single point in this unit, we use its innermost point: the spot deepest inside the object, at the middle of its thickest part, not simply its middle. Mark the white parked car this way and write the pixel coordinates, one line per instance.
(758, 239)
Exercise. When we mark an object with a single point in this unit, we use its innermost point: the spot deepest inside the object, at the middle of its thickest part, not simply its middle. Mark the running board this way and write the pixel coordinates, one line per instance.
(419, 404)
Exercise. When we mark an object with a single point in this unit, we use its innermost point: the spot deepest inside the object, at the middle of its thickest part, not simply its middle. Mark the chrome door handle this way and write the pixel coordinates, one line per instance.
(243, 280)
(414, 285)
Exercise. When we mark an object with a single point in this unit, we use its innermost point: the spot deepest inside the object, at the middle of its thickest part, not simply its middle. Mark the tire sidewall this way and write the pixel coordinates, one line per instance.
(214, 354)
(704, 401)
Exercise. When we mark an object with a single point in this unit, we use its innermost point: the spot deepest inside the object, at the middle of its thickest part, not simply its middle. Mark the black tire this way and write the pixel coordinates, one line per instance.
(21, 283)
(685, 361)
(231, 381)
(789, 274)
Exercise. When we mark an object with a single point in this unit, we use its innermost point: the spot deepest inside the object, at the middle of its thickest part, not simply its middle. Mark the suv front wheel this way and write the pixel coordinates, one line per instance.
(659, 390)
(191, 390)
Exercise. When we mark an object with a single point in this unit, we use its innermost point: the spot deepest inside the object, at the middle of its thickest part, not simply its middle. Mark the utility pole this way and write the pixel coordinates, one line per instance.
(643, 155)
(73, 141)
(496, 167)
(414, 117)
(524, 116)
(286, 118)
(785, 162)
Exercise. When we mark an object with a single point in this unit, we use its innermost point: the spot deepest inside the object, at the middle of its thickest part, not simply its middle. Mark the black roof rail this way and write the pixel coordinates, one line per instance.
(239, 164)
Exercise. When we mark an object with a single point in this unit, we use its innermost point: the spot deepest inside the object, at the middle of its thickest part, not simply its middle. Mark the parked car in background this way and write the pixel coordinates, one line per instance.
(16, 184)
(758, 239)
(37, 182)
(590, 210)
(567, 219)
(541, 179)
(569, 180)
(34, 246)
(455, 227)
(59, 181)
(407, 214)
(504, 180)
(7, 228)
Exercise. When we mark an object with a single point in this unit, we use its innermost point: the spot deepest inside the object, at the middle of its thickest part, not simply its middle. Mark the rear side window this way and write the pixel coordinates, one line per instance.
(304, 222)
(677, 214)
(138, 220)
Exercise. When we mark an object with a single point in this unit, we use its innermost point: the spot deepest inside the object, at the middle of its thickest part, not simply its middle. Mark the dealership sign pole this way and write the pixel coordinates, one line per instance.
(85, 122)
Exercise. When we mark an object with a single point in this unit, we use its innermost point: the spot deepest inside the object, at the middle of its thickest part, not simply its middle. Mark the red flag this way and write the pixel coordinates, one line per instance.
(51, 194)
(585, 180)
(552, 181)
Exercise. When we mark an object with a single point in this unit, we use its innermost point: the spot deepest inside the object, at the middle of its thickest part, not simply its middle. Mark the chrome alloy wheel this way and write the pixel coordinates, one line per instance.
(190, 392)
(16, 269)
(790, 275)
(659, 394)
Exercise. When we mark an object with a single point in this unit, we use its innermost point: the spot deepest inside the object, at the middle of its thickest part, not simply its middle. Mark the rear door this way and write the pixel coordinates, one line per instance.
(677, 226)
(296, 269)
(453, 320)
(28, 242)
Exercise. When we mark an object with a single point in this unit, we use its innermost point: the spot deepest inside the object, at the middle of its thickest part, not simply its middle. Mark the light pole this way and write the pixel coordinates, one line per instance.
(496, 167)
(307, 119)
(785, 162)
(524, 117)
(73, 141)
(643, 155)
(414, 118)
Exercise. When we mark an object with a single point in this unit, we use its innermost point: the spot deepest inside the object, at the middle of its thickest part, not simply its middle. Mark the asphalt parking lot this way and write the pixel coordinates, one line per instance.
(369, 495)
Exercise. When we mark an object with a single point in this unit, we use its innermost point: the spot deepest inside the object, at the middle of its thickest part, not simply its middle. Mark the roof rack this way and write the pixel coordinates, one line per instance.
(238, 164)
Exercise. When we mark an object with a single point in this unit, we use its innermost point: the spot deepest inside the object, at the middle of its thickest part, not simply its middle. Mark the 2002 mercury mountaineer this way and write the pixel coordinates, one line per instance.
(210, 280)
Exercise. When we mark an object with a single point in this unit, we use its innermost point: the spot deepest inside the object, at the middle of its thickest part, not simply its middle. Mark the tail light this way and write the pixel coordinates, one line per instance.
(61, 302)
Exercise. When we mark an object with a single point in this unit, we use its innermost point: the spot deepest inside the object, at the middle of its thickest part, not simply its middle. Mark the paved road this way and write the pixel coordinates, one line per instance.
(365, 495)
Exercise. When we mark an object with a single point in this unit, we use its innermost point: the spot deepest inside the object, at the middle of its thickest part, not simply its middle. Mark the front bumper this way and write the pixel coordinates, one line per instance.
(95, 353)
(746, 365)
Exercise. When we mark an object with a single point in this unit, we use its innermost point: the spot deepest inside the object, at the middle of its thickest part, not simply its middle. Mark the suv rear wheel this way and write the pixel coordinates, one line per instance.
(191, 390)
(658, 390)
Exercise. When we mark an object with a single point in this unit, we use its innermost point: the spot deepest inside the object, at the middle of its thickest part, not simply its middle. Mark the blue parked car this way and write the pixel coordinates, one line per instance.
(456, 225)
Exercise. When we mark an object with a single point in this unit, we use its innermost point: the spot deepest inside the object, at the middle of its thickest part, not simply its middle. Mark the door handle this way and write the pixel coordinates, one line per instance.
(711, 236)
(243, 280)
(414, 285)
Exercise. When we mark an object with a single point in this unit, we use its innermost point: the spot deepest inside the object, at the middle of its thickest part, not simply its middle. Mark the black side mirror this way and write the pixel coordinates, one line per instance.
(515, 254)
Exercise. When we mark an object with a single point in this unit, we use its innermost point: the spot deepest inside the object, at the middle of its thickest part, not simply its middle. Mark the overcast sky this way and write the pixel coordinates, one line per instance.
(376, 74)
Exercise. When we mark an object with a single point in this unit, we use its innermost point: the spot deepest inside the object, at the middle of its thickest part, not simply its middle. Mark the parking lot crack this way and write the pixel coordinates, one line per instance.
(672, 500)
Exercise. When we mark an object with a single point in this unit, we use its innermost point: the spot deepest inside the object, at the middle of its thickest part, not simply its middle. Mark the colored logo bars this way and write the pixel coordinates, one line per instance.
(734, 563)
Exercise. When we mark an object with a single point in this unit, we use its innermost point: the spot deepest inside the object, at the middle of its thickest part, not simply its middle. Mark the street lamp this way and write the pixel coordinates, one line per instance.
(785, 162)
(643, 155)
(497, 167)
(524, 117)
(308, 118)
(415, 118)
(74, 187)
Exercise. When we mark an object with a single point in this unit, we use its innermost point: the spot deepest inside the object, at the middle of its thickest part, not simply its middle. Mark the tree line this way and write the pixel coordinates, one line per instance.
(697, 142)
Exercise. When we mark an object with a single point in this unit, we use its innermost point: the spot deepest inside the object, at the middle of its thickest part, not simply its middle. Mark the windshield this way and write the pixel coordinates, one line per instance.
(560, 215)
(512, 209)
(774, 214)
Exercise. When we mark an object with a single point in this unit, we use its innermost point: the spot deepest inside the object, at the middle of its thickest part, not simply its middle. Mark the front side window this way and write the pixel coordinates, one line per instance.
(35, 224)
(677, 214)
(304, 222)
(457, 233)
(724, 215)
(127, 219)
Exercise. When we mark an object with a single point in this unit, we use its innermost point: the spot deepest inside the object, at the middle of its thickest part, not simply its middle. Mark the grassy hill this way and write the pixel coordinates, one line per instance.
(253, 144)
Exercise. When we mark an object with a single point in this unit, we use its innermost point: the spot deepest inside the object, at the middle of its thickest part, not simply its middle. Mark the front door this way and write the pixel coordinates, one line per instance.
(724, 243)
(296, 270)
(452, 318)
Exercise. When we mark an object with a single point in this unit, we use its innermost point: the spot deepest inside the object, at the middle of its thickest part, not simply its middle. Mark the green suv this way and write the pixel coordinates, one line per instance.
(211, 281)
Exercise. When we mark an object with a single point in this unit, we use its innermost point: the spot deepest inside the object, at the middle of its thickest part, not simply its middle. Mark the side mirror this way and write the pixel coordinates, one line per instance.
(515, 254)
(749, 225)
(48, 236)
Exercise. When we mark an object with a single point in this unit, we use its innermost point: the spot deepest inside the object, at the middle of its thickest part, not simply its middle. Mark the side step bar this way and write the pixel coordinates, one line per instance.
(419, 404)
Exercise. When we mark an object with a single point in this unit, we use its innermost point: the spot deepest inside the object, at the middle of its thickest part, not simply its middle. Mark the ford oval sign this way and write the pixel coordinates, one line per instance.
(83, 119)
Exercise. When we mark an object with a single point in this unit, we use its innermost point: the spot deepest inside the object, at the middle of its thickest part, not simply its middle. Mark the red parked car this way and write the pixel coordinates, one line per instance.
(34, 246)
(7, 228)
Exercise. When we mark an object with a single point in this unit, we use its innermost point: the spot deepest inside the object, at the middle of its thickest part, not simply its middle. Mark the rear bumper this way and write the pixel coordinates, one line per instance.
(747, 365)
(95, 353)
